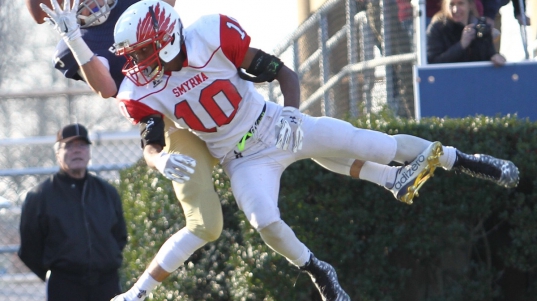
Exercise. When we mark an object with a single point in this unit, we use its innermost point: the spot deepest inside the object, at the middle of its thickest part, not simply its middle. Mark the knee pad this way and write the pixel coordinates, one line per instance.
(338, 165)
(203, 211)
(273, 232)
(207, 227)
(209, 230)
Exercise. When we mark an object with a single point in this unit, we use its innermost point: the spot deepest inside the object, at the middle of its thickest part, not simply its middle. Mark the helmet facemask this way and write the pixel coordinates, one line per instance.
(144, 70)
(98, 12)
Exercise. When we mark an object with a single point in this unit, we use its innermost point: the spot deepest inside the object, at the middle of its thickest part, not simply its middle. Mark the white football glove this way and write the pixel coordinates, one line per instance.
(64, 21)
(289, 126)
(175, 167)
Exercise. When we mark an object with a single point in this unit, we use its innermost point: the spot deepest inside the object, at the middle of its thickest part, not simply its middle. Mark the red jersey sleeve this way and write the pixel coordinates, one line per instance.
(135, 111)
(234, 40)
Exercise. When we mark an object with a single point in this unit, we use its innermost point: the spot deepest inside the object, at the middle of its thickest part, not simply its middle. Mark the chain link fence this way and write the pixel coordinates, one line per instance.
(110, 153)
(353, 57)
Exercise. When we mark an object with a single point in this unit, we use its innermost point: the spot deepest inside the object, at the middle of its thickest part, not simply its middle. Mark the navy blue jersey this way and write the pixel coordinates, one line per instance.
(99, 39)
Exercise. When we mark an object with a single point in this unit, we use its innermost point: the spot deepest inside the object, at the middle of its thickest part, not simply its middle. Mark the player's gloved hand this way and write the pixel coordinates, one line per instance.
(289, 126)
(64, 21)
(175, 167)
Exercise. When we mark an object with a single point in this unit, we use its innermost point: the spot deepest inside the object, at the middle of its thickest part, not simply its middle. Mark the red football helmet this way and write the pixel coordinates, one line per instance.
(148, 33)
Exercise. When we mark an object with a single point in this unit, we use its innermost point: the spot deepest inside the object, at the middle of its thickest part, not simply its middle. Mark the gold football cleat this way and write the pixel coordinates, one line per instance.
(411, 177)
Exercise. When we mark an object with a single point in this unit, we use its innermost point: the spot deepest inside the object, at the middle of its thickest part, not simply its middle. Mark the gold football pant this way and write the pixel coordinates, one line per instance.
(201, 204)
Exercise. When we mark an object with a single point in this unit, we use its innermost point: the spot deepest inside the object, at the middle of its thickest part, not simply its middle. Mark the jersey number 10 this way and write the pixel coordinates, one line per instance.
(207, 100)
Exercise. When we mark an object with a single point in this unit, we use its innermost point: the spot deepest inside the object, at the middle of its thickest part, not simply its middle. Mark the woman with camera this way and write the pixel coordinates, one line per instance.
(457, 34)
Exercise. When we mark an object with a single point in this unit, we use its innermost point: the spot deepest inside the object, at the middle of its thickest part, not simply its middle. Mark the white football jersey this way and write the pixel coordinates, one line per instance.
(206, 96)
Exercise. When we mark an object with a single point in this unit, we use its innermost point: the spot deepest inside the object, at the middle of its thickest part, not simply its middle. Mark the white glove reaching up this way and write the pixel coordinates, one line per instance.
(64, 21)
(175, 167)
(289, 125)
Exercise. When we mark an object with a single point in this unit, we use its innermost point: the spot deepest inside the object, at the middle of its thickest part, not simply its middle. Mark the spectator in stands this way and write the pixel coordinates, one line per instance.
(405, 15)
(434, 6)
(456, 34)
(72, 226)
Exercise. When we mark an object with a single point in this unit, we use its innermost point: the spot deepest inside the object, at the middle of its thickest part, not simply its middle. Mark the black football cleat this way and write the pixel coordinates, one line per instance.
(325, 279)
(502, 172)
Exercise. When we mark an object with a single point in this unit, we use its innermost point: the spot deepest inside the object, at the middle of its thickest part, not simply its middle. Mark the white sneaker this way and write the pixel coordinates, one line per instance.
(410, 178)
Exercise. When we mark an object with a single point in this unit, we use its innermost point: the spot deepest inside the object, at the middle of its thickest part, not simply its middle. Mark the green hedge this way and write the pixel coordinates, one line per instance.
(463, 239)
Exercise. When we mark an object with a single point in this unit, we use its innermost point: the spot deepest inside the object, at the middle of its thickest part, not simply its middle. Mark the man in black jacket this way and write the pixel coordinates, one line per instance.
(72, 226)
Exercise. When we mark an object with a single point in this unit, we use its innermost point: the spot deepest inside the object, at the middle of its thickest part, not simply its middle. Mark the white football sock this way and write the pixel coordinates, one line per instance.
(448, 158)
(380, 174)
(141, 288)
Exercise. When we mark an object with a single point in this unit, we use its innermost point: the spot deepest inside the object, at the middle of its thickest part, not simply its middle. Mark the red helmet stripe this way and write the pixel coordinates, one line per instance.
(146, 31)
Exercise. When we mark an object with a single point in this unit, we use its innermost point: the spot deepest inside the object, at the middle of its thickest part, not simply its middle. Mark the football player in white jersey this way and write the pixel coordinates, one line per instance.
(194, 77)
(83, 55)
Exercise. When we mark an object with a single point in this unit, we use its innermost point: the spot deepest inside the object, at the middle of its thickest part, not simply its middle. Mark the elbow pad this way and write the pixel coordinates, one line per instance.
(264, 66)
(152, 131)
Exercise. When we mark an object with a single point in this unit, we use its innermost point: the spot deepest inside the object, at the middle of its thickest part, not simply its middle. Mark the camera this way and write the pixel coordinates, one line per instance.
(482, 28)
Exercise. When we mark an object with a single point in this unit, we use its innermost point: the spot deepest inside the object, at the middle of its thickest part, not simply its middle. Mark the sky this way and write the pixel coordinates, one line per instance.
(268, 22)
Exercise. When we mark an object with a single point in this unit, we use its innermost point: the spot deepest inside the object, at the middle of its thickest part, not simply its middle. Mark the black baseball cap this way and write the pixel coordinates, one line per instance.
(72, 132)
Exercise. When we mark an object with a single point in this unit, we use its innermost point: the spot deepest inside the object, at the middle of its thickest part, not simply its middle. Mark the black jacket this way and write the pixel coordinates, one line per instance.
(72, 226)
(444, 44)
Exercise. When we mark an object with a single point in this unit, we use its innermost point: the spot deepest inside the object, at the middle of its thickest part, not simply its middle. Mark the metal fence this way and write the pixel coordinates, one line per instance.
(35, 117)
(352, 57)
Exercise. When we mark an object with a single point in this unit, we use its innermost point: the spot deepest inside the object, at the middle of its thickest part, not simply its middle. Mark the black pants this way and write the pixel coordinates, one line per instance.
(69, 287)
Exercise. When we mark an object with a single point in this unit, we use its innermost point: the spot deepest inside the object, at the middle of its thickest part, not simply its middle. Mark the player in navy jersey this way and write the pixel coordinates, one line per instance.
(194, 76)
